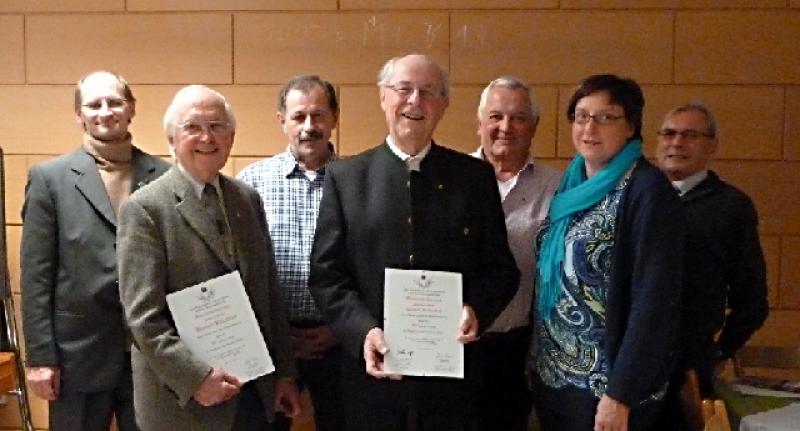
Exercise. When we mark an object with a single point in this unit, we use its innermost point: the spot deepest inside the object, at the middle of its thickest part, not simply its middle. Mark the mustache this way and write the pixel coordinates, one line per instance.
(309, 135)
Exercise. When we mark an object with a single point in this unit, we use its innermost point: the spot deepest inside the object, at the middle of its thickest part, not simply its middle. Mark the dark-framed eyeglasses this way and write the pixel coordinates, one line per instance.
(686, 134)
(603, 118)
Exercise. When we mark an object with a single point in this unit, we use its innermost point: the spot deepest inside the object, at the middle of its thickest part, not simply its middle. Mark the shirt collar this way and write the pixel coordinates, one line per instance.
(288, 162)
(478, 154)
(198, 186)
(412, 162)
(690, 182)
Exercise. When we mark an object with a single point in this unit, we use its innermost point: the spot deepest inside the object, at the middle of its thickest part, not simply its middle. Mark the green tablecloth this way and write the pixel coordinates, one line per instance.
(740, 405)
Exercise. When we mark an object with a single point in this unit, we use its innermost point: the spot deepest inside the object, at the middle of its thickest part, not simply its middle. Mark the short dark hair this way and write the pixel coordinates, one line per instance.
(624, 92)
(127, 94)
(306, 83)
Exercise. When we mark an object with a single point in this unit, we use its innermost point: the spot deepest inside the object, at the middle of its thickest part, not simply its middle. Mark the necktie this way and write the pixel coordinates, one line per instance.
(213, 207)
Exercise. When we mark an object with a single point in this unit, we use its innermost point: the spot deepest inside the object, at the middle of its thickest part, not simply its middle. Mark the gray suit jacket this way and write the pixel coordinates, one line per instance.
(70, 302)
(168, 243)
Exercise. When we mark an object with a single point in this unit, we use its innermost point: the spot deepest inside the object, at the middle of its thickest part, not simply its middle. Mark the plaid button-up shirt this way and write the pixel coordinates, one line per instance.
(291, 203)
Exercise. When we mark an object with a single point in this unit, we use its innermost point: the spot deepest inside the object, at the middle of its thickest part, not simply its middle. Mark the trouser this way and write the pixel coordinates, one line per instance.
(323, 379)
(504, 397)
(92, 411)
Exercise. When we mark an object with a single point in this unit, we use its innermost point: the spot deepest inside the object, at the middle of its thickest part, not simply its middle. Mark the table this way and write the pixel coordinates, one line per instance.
(751, 411)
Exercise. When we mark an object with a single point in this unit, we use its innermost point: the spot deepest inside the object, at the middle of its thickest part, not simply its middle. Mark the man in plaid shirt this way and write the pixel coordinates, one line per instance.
(290, 184)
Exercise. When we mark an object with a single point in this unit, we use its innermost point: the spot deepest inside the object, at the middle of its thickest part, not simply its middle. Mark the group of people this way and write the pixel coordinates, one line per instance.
(585, 294)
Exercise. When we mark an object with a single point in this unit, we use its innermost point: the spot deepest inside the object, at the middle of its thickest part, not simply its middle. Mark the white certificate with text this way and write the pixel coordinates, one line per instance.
(216, 321)
(421, 317)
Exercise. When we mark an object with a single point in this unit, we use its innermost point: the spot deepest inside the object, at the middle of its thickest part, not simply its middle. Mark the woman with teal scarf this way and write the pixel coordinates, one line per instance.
(609, 273)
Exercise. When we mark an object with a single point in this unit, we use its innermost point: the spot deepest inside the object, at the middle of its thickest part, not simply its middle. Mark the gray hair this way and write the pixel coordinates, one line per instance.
(387, 71)
(696, 106)
(184, 97)
(512, 83)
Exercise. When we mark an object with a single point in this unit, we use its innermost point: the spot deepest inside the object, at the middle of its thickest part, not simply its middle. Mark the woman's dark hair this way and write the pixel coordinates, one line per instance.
(624, 92)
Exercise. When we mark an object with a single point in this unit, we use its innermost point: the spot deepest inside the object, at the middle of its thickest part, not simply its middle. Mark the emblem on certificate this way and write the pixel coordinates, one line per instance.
(422, 313)
(216, 321)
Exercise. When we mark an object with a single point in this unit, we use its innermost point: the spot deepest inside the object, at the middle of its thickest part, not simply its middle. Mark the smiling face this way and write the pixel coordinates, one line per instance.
(308, 123)
(104, 112)
(413, 101)
(202, 137)
(681, 155)
(505, 125)
(599, 143)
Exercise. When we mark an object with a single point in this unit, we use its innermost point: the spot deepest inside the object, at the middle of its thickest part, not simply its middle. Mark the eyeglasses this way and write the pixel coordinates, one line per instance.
(196, 128)
(603, 118)
(405, 90)
(111, 104)
(686, 134)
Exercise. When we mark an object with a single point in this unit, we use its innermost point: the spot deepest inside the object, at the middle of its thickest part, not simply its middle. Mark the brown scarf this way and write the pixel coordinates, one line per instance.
(113, 160)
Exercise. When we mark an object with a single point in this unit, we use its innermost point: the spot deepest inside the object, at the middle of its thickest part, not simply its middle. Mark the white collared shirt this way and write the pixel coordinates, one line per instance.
(690, 182)
(412, 162)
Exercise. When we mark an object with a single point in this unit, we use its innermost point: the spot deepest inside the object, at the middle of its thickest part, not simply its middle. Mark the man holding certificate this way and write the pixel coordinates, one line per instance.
(197, 239)
(405, 230)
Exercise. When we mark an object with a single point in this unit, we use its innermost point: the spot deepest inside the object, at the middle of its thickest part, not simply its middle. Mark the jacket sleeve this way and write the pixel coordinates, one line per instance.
(653, 224)
(331, 281)
(745, 273)
(143, 288)
(39, 268)
(497, 277)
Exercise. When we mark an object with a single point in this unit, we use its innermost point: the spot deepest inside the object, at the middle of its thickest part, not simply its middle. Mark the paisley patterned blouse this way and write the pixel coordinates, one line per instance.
(568, 348)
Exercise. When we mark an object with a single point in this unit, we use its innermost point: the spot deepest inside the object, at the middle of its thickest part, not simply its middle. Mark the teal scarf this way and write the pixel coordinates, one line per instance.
(575, 193)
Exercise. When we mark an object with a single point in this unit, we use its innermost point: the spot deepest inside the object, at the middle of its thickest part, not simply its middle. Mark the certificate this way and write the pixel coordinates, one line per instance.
(422, 315)
(216, 321)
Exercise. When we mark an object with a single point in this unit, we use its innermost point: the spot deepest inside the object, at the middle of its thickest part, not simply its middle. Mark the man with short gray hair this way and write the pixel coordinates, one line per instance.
(724, 263)
(507, 118)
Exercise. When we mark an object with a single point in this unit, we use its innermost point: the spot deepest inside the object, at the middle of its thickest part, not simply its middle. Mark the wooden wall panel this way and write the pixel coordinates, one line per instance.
(792, 124)
(62, 5)
(165, 49)
(12, 61)
(362, 125)
(670, 4)
(737, 47)
(232, 5)
(553, 47)
(16, 176)
(771, 246)
(38, 119)
(773, 187)
(790, 273)
(780, 329)
(446, 4)
(344, 48)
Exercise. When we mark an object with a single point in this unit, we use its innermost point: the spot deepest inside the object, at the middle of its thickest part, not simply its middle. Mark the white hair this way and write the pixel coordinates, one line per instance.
(512, 83)
(185, 97)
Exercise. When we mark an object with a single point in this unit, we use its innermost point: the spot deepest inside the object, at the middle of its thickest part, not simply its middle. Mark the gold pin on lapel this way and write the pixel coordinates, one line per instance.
(466, 231)
(441, 187)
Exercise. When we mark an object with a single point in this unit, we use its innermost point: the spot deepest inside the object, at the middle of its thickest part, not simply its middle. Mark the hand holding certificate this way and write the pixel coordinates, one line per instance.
(216, 321)
(422, 315)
